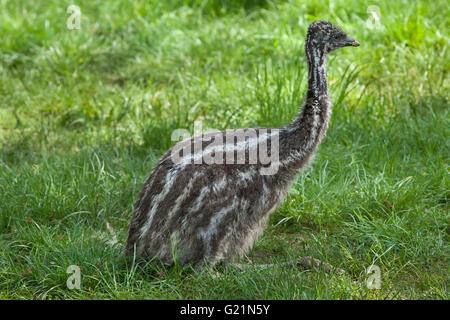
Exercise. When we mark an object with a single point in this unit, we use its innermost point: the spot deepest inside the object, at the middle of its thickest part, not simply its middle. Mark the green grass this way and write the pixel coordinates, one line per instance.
(84, 114)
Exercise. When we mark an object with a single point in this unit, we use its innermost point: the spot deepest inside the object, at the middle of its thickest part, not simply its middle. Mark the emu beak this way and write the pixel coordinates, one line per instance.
(351, 42)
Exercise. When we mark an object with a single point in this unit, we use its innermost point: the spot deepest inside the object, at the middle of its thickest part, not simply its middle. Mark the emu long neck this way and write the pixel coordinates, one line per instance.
(317, 75)
(308, 129)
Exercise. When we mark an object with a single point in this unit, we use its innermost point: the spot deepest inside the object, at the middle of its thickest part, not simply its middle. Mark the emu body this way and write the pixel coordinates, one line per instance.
(198, 212)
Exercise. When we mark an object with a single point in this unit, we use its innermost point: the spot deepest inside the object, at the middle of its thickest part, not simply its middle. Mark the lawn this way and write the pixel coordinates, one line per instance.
(85, 113)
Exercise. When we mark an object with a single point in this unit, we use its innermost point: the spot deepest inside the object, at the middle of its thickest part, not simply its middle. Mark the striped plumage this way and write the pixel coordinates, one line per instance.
(202, 212)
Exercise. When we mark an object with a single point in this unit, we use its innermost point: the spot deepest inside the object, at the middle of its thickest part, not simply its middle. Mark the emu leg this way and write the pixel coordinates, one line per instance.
(305, 263)
(311, 263)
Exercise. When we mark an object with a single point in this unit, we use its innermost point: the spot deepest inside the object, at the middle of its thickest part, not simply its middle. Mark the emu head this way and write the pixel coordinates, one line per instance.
(327, 37)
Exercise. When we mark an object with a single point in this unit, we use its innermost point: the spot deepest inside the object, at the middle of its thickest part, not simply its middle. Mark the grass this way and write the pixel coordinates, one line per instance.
(84, 114)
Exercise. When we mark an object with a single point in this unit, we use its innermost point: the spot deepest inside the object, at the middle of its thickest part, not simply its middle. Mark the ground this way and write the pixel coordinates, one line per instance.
(85, 113)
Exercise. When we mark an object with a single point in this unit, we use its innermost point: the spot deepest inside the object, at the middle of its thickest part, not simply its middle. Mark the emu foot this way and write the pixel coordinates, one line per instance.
(306, 263)
(311, 263)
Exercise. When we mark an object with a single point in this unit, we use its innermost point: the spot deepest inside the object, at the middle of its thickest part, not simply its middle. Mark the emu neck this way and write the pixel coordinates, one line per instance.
(307, 130)
(317, 74)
